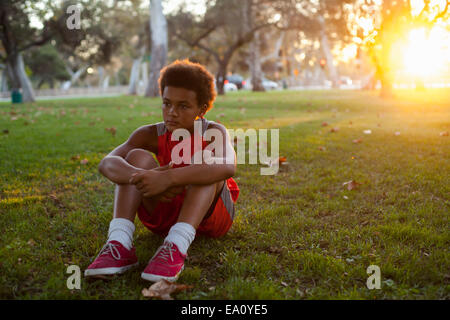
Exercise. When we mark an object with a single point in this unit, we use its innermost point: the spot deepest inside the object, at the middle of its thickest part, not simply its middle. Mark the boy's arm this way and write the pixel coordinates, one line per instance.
(192, 174)
(115, 167)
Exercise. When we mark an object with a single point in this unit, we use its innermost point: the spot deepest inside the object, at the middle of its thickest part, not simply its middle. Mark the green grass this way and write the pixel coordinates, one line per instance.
(298, 235)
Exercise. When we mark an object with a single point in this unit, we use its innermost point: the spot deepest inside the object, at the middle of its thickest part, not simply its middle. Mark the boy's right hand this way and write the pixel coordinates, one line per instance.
(172, 192)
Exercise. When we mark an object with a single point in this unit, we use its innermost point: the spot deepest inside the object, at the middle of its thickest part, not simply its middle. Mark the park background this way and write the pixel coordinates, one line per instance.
(359, 91)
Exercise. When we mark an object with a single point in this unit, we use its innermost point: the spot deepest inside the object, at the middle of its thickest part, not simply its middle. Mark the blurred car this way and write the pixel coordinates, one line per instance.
(236, 79)
(228, 86)
(266, 83)
(269, 85)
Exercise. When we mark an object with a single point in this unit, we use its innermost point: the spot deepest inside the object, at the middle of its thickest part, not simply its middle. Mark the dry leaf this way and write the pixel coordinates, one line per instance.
(113, 130)
(77, 157)
(335, 129)
(444, 134)
(163, 288)
(321, 148)
(84, 161)
(324, 124)
(282, 159)
(359, 140)
(351, 184)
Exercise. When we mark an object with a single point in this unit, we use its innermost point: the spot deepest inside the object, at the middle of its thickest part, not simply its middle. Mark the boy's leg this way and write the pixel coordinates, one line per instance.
(127, 199)
(197, 202)
(118, 255)
(168, 262)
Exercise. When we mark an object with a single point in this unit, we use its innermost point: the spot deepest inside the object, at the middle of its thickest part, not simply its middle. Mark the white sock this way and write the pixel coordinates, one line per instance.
(182, 234)
(121, 230)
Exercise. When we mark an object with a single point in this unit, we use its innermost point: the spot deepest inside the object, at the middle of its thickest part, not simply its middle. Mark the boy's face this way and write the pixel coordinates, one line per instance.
(180, 108)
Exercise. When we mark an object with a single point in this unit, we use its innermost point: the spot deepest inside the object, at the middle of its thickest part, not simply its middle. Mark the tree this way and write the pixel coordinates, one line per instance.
(223, 29)
(17, 35)
(46, 65)
(393, 20)
(158, 57)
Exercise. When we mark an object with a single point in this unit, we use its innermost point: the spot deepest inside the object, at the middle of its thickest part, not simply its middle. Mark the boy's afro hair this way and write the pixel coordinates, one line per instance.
(191, 76)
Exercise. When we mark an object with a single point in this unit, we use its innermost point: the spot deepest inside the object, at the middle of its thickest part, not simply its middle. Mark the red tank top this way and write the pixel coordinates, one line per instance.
(166, 145)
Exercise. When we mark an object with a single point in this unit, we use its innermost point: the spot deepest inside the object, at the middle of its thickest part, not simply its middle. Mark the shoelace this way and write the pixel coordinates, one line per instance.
(110, 248)
(165, 251)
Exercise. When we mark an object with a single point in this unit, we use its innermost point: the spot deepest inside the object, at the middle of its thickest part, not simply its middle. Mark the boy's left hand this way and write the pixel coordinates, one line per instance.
(150, 182)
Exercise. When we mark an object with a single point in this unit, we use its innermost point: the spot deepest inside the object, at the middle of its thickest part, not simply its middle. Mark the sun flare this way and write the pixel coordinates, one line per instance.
(426, 54)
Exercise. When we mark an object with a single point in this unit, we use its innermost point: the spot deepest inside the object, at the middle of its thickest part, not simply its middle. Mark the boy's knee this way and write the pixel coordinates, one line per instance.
(141, 158)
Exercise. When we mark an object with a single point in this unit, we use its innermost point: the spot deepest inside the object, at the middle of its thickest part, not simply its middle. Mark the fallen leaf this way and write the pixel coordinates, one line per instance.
(359, 140)
(5, 131)
(444, 134)
(324, 124)
(274, 249)
(321, 148)
(84, 161)
(113, 130)
(351, 184)
(335, 129)
(77, 157)
(282, 159)
(163, 288)
(31, 243)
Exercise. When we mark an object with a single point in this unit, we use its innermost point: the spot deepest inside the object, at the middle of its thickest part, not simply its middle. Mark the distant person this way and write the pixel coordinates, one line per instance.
(176, 201)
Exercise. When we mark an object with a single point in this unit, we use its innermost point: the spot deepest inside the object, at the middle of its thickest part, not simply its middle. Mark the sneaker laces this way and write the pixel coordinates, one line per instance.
(165, 251)
(110, 248)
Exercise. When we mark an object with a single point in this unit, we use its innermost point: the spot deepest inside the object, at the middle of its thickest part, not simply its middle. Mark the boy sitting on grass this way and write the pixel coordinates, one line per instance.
(176, 201)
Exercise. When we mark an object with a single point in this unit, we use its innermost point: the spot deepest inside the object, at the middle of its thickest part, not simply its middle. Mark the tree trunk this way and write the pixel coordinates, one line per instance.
(220, 77)
(105, 84)
(328, 55)
(74, 76)
(101, 76)
(255, 64)
(134, 76)
(158, 27)
(3, 82)
(19, 78)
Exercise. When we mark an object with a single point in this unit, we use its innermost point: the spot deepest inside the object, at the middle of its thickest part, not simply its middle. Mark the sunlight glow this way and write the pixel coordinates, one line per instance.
(426, 54)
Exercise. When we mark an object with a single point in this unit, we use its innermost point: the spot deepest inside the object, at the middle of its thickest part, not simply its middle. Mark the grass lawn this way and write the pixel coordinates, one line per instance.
(299, 234)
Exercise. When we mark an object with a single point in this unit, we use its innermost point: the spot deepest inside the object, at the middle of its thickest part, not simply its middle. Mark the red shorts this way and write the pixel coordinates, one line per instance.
(216, 223)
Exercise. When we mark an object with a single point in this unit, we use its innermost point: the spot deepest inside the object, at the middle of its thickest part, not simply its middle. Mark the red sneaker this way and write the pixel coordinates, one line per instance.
(114, 258)
(167, 263)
